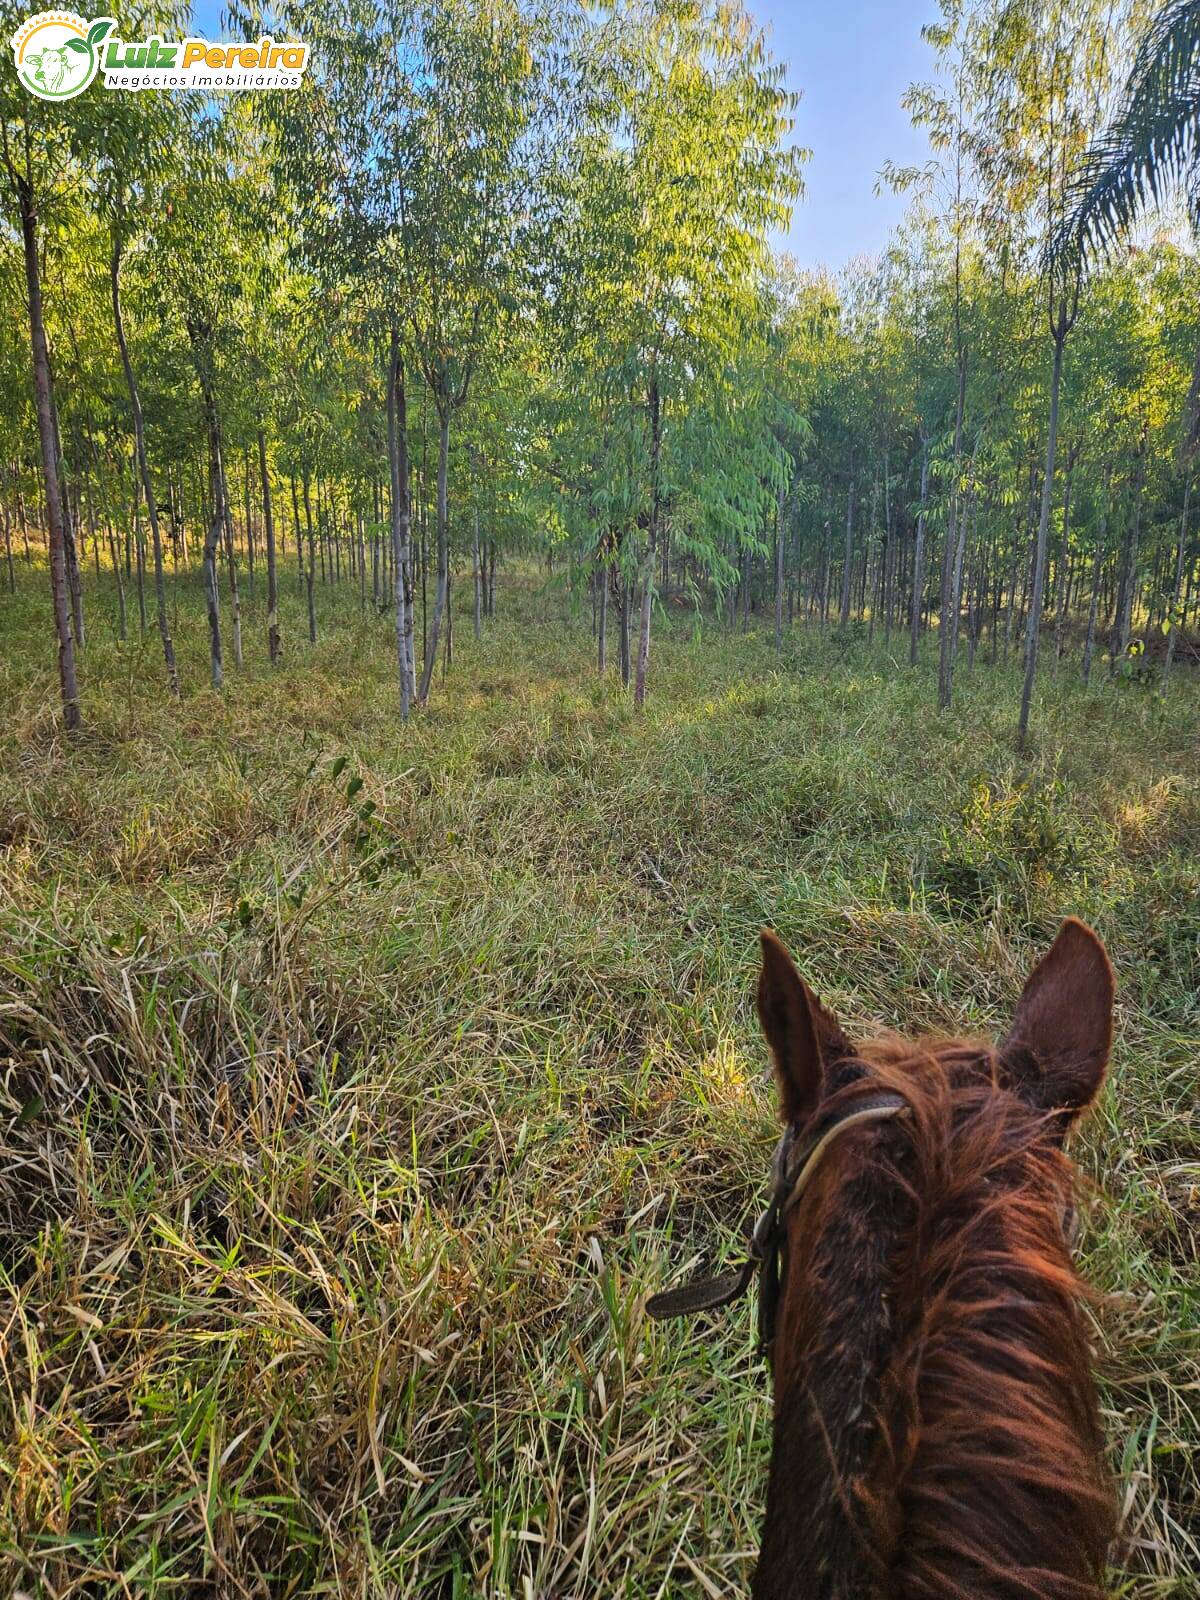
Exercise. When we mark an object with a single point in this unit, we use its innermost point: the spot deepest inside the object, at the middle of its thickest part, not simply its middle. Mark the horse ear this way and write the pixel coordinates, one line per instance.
(1058, 1045)
(802, 1035)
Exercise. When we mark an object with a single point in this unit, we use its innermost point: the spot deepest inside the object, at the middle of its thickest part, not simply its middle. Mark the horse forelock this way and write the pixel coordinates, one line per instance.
(937, 1429)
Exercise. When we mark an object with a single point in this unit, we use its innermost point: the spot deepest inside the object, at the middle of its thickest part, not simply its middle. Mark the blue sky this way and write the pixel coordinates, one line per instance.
(851, 60)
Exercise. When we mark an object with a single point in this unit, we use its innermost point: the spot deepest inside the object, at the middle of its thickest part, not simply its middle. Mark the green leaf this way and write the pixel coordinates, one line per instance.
(31, 1109)
(98, 30)
(78, 46)
(338, 767)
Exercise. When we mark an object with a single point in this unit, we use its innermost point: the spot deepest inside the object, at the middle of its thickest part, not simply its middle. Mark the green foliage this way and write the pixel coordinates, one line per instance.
(1010, 834)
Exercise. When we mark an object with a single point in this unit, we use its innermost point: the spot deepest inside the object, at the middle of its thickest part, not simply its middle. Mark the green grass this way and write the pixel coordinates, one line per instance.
(346, 1126)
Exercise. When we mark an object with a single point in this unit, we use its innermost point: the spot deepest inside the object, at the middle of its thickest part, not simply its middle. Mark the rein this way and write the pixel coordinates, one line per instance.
(793, 1167)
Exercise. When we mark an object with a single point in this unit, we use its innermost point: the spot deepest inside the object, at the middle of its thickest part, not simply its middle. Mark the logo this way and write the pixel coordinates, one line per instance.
(58, 54)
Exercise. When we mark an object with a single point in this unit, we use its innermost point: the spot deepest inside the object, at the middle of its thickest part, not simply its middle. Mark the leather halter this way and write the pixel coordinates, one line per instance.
(793, 1166)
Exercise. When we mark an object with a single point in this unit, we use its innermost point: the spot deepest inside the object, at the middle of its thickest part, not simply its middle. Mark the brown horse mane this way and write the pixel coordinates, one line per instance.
(945, 1441)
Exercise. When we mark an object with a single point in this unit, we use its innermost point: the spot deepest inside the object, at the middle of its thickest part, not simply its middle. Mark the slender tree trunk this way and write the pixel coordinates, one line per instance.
(1010, 608)
(643, 658)
(249, 528)
(115, 557)
(12, 577)
(779, 525)
(375, 541)
(401, 522)
(1039, 558)
(975, 592)
(1094, 604)
(89, 508)
(272, 573)
(1060, 599)
(299, 537)
(231, 564)
(322, 536)
(844, 612)
(953, 604)
(477, 569)
(889, 554)
(1174, 621)
(360, 535)
(918, 577)
(602, 576)
(424, 563)
(68, 683)
(1125, 603)
(24, 520)
(443, 546)
(310, 571)
(216, 522)
(143, 466)
(624, 642)
(952, 555)
(139, 549)
(70, 546)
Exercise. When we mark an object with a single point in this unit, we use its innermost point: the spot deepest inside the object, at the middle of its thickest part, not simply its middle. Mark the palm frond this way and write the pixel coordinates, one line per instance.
(1151, 145)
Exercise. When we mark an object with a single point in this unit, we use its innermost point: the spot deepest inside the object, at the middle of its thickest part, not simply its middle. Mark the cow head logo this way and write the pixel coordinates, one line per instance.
(57, 53)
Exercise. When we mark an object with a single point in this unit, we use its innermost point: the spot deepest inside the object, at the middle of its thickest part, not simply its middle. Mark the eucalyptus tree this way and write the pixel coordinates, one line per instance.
(503, 474)
(798, 310)
(207, 290)
(41, 157)
(682, 171)
(909, 275)
(1043, 70)
(479, 142)
(286, 320)
(730, 464)
(947, 111)
(333, 150)
(17, 421)
(417, 153)
(813, 360)
(891, 391)
(1179, 297)
(843, 419)
(137, 141)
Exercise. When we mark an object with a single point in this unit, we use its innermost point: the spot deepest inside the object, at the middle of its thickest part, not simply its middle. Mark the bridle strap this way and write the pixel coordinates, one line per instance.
(791, 1173)
(703, 1294)
(878, 1109)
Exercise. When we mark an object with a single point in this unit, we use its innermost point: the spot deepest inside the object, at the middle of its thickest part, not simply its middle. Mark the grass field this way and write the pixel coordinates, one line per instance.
(359, 1081)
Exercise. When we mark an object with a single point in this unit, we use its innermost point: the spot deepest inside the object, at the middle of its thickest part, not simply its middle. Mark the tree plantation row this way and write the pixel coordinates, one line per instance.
(498, 282)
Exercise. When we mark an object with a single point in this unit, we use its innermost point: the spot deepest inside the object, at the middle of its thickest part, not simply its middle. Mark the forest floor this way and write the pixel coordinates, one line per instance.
(357, 1081)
